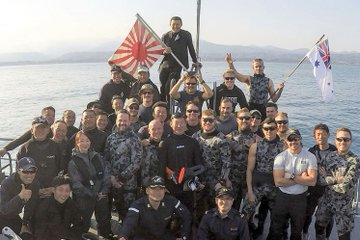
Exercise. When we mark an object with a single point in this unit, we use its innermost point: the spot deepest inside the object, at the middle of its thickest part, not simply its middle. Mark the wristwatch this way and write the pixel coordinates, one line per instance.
(292, 176)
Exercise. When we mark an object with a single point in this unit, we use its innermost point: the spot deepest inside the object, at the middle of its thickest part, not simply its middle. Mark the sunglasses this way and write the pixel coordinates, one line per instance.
(29, 172)
(229, 78)
(192, 111)
(282, 122)
(242, 118)
(134, 107)
(209, 120)
(292, 138)
(343, 139)
(269, 128)
(191, 84)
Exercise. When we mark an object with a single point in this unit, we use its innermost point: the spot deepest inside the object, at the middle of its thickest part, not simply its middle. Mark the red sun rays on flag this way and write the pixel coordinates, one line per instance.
(140, 47)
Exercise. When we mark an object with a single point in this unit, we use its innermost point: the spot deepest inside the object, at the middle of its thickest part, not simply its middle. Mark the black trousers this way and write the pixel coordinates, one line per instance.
(288, 205)
(165, 76)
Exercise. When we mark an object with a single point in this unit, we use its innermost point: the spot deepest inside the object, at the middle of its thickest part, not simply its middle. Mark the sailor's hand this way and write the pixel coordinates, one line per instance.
(25, 194)
(281, 85)
(228, 58)
(115, 182)
(251, 197)
(167, 50)
(46, 192)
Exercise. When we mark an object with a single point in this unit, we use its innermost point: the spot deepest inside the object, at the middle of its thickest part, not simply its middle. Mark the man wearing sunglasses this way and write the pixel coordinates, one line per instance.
(18, 191)
(294, 170)
(132, 106)
(228, 90)
(260, 86)
(240, 141)
(190, 92)
(259, 178)
(340, 171)
(282, 122)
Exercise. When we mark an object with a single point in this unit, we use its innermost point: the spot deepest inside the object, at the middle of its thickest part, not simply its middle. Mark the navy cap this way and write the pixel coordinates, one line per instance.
(156, 181)
(26, 163)
(292, 131)
(116, 68)
(224, 191)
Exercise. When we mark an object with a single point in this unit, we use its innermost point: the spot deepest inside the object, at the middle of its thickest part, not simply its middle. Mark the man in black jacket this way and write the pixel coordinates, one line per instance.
(18, 191)
(58, 217)
(149, 217)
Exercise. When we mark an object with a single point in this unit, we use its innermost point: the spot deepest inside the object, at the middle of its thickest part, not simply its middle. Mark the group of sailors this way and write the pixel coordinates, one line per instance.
(197, 174)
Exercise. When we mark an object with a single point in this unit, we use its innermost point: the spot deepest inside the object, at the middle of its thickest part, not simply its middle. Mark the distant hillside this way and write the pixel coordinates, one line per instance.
(208, 52)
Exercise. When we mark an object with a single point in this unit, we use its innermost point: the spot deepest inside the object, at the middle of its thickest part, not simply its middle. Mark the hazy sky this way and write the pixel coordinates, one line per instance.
(84, 25)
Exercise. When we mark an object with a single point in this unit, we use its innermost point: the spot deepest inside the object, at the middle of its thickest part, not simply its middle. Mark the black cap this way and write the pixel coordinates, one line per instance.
(224, 191)
(156, 181)
(292, 131)
(116, 68)
(26, 163)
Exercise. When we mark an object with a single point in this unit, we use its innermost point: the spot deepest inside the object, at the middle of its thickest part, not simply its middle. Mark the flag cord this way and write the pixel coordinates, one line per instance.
(296, 67)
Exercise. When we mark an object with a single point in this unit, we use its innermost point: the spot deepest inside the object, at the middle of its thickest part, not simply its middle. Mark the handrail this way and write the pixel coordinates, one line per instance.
(356, 199)
(8, 165)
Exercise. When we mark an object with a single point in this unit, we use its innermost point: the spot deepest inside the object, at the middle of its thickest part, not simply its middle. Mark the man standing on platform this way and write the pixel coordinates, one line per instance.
(179, 42)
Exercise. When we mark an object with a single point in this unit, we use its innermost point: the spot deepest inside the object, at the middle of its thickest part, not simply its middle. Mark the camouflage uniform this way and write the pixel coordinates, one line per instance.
(239, 155)
(263, 181)
(216, 155)
(338, 197)
(137, 125)
(150, 163)
(124, 152)
(259, 85)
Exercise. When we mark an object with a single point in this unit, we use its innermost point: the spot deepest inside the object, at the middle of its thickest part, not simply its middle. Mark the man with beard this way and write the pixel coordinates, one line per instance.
(260, 86)
(294, 170)
(282, 122)
(123, 151)
(240, 141)
(229, 90)
(132, 106)
(340, 171)
(216, 155)
(226, 122)
(150, 163)
(192, 118)
(259, 178)
(116, 86)
(46, 154)
(147, 101)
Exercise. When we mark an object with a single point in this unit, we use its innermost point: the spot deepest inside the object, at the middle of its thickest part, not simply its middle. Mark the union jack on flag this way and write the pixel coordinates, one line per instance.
(319, 57)
(324, 52)
(140, 47)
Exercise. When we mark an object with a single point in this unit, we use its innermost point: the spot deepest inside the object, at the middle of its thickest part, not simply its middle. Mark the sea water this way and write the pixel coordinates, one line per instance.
(26, 89)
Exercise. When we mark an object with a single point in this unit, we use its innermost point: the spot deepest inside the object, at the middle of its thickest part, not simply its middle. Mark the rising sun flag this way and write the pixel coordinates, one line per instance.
(140, 47)
(319, 57)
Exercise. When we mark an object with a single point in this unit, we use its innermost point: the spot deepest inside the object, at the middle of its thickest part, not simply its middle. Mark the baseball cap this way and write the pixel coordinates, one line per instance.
(146, 87)
(116, 68)
(132, 101)
(40, 120)
(26, 163)
(224, 191)
(156, 181)
(142, 68)
(252, 112)
(292, 131)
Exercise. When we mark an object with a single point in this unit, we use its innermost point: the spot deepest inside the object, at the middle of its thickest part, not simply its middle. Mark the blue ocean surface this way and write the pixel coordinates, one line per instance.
(26, 89)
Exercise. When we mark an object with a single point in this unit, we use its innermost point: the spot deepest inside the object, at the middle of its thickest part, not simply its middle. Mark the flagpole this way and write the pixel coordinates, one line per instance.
(297, 66)
(159, 40)
(198, 28)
